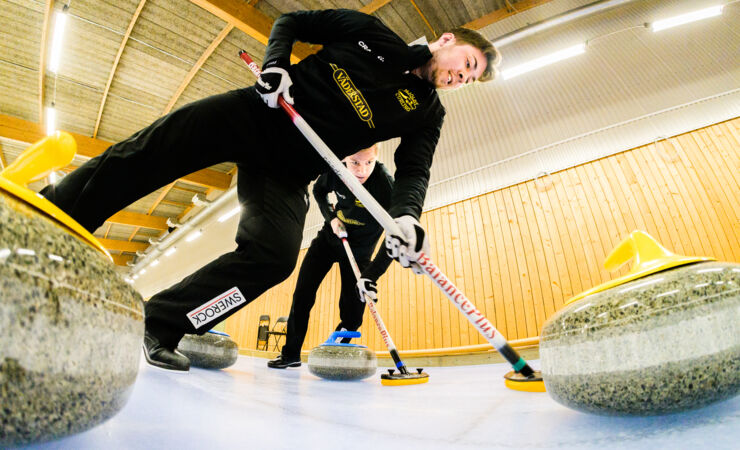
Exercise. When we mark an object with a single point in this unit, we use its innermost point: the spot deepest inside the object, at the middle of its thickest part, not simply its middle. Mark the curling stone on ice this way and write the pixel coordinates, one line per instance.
(213, 350)
(336, 361)
(70, 326)
(664, 338)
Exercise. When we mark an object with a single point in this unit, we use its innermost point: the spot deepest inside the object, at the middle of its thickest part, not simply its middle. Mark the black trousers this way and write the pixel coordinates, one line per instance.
(237, 127)
(325, 250)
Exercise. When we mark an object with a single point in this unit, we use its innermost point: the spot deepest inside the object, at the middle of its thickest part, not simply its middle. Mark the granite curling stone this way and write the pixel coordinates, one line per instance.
(213, 350)
(663, 339)
(335, 361)
(70, 326)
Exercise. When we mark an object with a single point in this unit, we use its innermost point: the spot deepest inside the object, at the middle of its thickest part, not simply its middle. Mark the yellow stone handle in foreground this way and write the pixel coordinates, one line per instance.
(648, 257)
(51, 153)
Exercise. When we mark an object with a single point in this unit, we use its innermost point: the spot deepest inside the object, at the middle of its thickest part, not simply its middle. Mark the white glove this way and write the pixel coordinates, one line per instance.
(338, 227)
(366, 286)
(272, 83)
(406, 249)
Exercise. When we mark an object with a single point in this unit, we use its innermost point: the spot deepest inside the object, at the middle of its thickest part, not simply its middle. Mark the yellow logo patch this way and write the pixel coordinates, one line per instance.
(407, 99)
(353, 95)
(343, 218)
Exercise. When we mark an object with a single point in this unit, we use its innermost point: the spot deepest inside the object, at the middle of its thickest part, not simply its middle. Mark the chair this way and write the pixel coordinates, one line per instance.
(279, 329)
(263, 330)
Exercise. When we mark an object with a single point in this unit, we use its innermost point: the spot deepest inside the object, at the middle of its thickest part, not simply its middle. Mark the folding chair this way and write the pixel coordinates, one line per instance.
(263, 330)
(279, 329)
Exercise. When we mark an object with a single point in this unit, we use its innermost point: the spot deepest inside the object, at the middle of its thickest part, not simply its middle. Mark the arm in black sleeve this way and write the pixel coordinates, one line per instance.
(321, 189)
(378, 266)
(380, 263)
(315, 27)
(413, 159)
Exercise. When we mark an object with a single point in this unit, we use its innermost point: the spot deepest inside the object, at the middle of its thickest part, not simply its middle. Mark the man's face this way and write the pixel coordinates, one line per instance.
(454, 65)
(362, 163)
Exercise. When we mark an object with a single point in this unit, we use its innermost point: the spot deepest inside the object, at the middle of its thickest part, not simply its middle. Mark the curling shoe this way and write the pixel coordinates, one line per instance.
(163, 358)
(281, 362)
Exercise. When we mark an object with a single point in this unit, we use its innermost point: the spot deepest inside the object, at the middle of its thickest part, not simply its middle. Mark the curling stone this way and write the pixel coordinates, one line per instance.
(70, 327)
(664, 338)
(335, 361)
(213, 350)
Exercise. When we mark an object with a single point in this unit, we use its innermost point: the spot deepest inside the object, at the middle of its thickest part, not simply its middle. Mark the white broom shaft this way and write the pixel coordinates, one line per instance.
(475, 317)
(370, 303)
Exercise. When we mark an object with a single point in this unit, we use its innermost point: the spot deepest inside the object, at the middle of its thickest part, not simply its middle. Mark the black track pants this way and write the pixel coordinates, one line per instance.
(235, 126)
(320, 257)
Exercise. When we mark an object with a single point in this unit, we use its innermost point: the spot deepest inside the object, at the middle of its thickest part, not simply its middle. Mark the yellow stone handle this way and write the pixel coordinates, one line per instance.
(51, 153)
(639, 246)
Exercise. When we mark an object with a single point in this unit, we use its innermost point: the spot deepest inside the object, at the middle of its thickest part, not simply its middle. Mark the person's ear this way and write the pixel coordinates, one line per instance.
(447, 39)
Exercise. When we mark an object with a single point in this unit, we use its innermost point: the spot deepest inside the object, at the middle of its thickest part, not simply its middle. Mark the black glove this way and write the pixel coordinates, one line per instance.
(274, 82)
(367, 287)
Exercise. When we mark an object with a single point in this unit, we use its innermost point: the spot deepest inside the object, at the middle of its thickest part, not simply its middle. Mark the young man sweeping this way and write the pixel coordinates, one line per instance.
(349, 219)
(364, 86)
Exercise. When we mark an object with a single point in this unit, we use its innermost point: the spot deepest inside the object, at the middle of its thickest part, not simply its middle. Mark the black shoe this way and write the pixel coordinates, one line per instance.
(163, 358)
(281, 362)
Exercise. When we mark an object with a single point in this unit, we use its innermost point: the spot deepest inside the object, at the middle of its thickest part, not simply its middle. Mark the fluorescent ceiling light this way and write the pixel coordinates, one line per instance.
(56, 43)
(142, 271)
(543, 61)
(170, 251)
(230, 214)
(686, 18)
(51, 119)
(155, 262)
(193, 236)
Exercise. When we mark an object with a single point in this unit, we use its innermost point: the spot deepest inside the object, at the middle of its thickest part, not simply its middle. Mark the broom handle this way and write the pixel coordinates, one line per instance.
(466, 307)
(375, 314)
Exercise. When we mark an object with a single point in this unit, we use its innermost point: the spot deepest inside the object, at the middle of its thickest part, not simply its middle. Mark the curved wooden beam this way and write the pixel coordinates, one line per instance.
(30, 132)
(434, 33)
(196, 67)
(115, 65)
(373, 6)
(250, 20)
(503, 13)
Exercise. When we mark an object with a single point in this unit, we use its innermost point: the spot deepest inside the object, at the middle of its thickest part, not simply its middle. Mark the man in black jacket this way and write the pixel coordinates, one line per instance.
(349, 219)
(364, 86)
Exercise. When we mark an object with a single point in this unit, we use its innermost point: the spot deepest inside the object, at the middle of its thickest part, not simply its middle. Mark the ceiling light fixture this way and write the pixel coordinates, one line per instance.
(56, 43)
(700, 14)
(51, 118)
(543, 61)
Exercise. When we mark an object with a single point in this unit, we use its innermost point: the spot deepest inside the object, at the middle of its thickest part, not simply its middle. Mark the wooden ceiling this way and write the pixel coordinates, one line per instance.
(127, 62)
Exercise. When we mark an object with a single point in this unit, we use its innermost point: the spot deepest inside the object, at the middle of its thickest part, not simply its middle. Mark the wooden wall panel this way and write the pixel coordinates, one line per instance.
(519, 253)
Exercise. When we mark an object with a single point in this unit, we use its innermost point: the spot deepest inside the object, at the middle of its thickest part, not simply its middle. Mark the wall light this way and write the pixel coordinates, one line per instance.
(230, 214)
(193, 236)
(543, 61)
(671, 22)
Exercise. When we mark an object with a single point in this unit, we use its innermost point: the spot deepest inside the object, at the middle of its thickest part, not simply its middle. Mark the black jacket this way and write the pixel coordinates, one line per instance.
(363, 230)
(357, 91)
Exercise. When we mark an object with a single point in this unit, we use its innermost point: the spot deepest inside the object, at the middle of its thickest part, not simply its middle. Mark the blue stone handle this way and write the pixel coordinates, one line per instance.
(342, 334)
